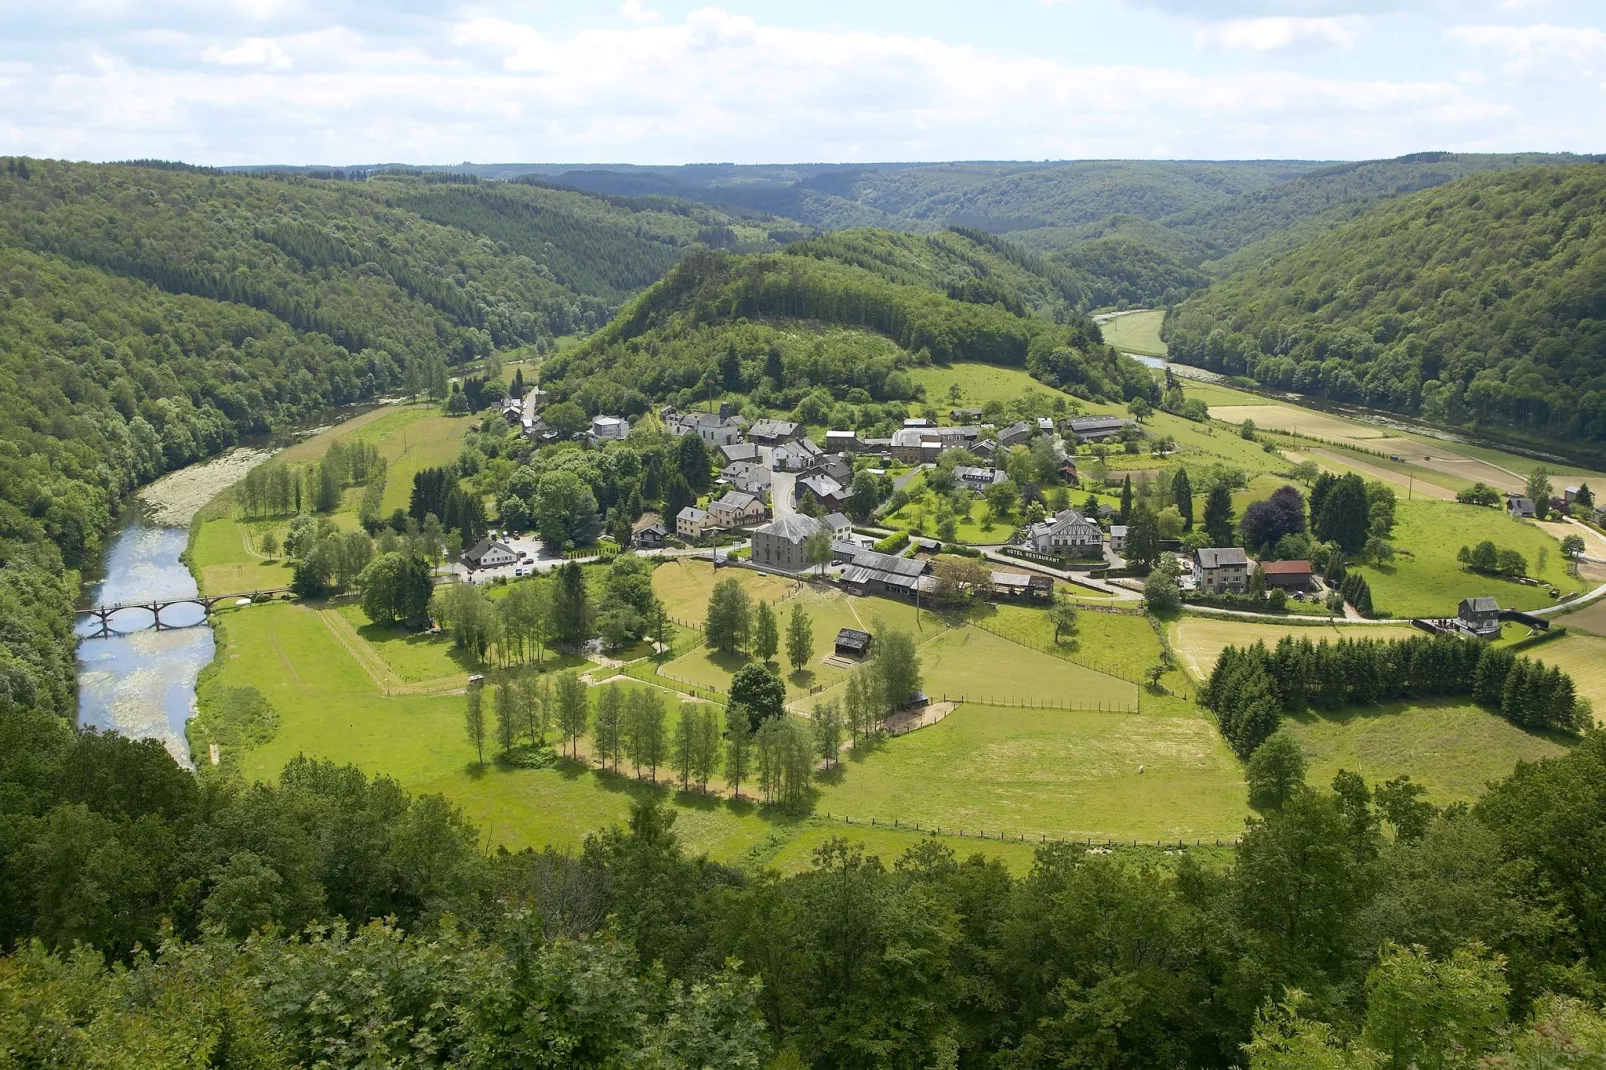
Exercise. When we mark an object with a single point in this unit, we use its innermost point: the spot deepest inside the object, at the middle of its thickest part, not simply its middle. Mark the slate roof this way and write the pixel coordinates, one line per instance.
(1222, 556)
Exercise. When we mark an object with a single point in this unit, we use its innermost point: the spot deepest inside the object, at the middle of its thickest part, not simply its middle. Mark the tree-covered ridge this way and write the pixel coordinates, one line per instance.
(1479, 304)
(967, 265)
(321, 256)
(609, 371)
(592, 245)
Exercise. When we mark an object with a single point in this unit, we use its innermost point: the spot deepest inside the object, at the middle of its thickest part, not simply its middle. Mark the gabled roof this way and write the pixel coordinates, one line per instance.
(485, 546)
(820, 486)
(835, 521)
(794, 528)
(1222, 556)
(1082, 424)
(1481, 604)
(737, 499)
(773, 429)
(1019, 427)
(691, 512)
(1287, 568)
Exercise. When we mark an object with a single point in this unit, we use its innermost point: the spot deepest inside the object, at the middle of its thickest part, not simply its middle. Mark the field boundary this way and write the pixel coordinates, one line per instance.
(385, 678)
(1085, 840)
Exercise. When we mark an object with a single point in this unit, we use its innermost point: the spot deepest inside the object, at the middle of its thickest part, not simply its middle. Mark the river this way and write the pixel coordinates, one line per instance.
(142, 682)
(139, 681)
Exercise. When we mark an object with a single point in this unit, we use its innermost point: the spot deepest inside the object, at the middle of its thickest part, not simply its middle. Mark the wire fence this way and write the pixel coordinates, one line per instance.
(1058, 651)
(1006, 702)
(1003, 836)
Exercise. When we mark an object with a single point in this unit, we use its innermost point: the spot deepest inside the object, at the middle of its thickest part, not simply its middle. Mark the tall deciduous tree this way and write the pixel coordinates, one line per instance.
(474, 720)
(729, 617)
(766, 633)
(799, 638)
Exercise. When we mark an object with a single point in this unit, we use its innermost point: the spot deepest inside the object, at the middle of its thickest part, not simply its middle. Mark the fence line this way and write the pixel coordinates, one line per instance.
(1043, 704)
(1004, 836)
(1055, 651)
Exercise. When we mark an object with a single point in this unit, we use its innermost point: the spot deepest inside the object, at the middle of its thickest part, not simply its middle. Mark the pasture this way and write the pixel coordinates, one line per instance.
(978, 666)
(1592, 618)
(1583, 657)
(1136, 332)
(978, 384)
(1162, 773)
(684, 587)
(1452, 749)
(1431, 582)
(1199, 641)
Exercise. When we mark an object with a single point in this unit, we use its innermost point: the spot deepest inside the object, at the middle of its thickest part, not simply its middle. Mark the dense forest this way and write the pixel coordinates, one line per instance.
(1479, 304)
(153, 315)
(1353, 926)
(691, 333)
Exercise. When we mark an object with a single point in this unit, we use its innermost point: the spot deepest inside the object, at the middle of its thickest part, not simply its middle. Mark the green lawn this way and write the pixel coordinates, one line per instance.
(413, 656)
(422, 443)
(1164, 773)
(684, 587)
(329, 708)
(1454, 750)
(222, 553)
(978, 385)
(1198, 641)
(1432, 583)
(1136, 332)
(1583, 657)
(1121, 644)
(969, 663)
(920, 517)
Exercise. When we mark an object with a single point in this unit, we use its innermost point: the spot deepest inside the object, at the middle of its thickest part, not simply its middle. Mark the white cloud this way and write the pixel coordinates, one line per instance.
(719, 85)
(252, 52)
(1538, 51)
(1278, 34)
(636, 11)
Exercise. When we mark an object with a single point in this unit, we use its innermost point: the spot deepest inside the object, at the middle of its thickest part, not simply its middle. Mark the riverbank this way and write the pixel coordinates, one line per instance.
(173, 500)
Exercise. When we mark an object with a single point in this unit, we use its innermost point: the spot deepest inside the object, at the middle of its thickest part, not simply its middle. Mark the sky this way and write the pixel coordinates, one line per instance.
(760, 81)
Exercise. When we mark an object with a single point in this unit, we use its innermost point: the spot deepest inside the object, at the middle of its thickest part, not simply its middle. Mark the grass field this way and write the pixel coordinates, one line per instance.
(982, 667)
(1027, 771)
(1454, 750)
(970, 528)
(1432, 582)
(1120, 644)
(1583, 657)
(684, 587)
(1136, 332)
(1592, 618)
(223, 550)
(1199, 641)
(1158, 774)
(978, 384)
(419, 444)
(413, 656)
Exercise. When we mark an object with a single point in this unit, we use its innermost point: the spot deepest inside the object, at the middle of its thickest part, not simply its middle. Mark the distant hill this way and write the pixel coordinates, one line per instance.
(1478, 303)
(847, 313)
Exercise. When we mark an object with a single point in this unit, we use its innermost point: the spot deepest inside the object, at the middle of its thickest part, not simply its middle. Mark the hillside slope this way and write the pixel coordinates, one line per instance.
(1481, 303)
(758, 325)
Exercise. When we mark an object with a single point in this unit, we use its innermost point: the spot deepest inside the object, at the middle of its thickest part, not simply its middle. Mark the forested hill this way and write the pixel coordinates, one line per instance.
(151, 316)
(846, 313)
(1481, 303)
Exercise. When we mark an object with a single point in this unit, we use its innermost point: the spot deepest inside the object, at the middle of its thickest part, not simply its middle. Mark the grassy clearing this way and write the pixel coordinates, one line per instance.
(1199, 641)
(1305, 422)
(978, 384)
(971, 528)
(968, 663)
(1454, 750)
(1583, 657)
(1431, 582)
(684, 587)
(224, 558)
(1119, 644)
(797, 853)
(1035, 764)
(1136, 332)
(1055, 773)
(424, 443)
(1592, 618)
(413, 656)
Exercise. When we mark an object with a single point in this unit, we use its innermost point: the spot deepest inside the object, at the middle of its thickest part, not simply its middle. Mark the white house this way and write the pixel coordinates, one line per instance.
(1066, 532)
(605, 428)
(488, 554)
(1118, 538)
(977, 479)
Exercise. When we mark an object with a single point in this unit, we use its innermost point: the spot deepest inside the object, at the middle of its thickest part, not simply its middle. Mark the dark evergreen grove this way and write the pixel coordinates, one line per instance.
(1251, 688)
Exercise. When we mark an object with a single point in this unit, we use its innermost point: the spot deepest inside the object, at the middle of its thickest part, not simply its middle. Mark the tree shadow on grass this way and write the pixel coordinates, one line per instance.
(1345, 716)
(867, 746)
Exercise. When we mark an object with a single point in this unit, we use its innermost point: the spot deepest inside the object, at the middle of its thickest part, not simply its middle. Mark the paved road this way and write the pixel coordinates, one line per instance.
(783, 493)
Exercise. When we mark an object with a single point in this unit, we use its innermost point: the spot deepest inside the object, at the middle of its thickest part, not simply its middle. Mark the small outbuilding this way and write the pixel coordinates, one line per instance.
(1288, 575)
(852, 643)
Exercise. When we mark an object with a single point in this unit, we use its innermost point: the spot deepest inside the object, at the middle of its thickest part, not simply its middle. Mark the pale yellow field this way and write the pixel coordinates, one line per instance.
(1297, 421)
(684, 586)
(1199, 641)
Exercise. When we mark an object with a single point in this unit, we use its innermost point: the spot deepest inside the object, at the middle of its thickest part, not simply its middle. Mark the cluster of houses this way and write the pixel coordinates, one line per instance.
(1522, 507)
